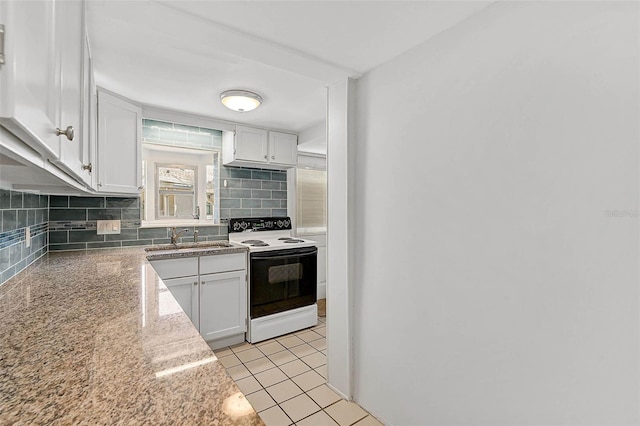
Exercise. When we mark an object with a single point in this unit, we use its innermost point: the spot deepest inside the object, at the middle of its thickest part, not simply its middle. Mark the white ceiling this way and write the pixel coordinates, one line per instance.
(182, 54)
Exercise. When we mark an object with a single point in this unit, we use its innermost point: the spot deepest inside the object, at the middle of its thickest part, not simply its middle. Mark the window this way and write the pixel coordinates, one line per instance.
(311, 201)
(180, 171)
(176, 191)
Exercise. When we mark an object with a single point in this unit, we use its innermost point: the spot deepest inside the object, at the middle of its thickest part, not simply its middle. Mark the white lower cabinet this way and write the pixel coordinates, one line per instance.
(212, 291)
(223, 304)
(185, 291)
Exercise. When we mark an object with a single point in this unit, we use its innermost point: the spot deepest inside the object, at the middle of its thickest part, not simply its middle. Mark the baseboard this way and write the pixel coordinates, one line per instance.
(226, 341)
(322, 291)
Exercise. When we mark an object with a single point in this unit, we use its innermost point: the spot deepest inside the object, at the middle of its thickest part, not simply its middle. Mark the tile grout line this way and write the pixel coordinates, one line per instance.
(288, 349)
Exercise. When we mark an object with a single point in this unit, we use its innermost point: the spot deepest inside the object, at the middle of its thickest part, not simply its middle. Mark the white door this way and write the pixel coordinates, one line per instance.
(223, 304)
(251, 144)
(70, 40)
(119, 145)
(283, 148)
(185, 291)
(30, 78)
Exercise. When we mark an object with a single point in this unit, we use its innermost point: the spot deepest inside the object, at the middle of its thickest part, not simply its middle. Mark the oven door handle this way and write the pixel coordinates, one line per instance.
(282, 254)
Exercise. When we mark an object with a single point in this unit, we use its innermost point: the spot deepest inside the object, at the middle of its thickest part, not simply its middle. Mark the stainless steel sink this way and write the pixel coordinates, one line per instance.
(181, 246)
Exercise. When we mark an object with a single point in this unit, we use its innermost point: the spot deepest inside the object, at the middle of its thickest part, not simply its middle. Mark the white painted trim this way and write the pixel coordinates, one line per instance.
(340, 238)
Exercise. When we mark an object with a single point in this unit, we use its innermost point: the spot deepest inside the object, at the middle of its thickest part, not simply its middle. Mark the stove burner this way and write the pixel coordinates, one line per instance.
(253, 242)
(260, 244)
(293, 241)
(285, 238)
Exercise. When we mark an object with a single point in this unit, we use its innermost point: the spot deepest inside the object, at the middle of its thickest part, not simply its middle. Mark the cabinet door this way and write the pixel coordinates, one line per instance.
(89, 116)
(251, 144)
(223, 304)
(185, 291)
(119, 145)
(283, 148)
(30, 77)
(70, 40)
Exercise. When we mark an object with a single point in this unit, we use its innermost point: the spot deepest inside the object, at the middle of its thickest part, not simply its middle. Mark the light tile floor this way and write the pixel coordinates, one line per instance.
(285, 381)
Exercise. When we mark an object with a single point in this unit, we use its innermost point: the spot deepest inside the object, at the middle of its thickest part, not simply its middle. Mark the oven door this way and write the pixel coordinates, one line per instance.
(282, 280)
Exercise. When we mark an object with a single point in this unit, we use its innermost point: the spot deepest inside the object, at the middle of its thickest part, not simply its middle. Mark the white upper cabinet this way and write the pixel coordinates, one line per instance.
(251, 144)
(283, 148)
(41, 78)
(30, 79)
(251, 147)
(119, 153)
(72, 50)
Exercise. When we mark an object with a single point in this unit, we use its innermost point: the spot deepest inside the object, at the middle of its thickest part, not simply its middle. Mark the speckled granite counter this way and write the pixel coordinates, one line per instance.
(92, 338)
(168, 251)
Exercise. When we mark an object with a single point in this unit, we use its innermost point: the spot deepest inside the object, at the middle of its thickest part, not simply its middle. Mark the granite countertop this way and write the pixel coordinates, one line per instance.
(171, 251)
(93, 338)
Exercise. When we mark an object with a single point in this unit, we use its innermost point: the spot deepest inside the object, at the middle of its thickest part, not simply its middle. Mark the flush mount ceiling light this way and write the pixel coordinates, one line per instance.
(240, 100)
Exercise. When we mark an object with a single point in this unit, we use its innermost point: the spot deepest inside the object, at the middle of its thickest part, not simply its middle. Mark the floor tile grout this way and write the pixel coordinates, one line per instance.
(247, 346)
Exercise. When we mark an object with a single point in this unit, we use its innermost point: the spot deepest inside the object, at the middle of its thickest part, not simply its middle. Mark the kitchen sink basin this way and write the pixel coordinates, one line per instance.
(181, 246)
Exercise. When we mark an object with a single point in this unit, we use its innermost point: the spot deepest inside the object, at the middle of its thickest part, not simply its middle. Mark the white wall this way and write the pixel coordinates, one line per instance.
(490, 285)
(313, 139)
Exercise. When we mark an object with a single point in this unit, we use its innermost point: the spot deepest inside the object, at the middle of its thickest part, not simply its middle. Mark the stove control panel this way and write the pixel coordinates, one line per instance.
(259, 224)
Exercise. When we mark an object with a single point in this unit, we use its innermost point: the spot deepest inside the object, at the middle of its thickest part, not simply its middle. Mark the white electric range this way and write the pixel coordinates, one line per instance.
(282, 276)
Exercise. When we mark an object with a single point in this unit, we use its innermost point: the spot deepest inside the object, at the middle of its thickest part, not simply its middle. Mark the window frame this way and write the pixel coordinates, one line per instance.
(164, 155)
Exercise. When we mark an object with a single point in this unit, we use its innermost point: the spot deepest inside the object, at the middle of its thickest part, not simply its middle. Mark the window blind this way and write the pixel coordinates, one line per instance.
(311, 200)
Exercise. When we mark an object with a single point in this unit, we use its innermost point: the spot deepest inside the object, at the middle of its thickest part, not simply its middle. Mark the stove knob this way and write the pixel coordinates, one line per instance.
(286, 223)
(279, 224)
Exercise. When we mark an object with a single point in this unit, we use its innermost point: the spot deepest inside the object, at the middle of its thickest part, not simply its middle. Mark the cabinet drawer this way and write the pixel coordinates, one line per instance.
(174, 268)
(223, 263)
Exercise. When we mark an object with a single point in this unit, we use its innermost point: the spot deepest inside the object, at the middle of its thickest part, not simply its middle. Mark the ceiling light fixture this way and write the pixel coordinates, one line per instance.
(240, 100)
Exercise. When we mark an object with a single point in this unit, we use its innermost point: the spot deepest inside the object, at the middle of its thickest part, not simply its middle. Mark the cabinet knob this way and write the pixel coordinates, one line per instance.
(266, 157)
(68, 132)
(273, 157)
(195, 283)
(141, 187)
(87, 167)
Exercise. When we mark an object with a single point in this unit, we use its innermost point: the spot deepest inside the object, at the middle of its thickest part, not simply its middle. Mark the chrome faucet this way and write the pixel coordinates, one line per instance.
(175, 236)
